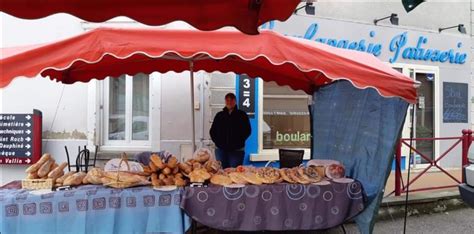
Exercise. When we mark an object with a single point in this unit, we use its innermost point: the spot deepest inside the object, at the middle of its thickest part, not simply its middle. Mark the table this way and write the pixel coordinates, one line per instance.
(274, 207)
(92, 209)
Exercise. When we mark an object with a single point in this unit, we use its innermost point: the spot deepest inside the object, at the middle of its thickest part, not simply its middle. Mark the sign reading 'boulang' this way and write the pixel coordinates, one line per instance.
(20, 139)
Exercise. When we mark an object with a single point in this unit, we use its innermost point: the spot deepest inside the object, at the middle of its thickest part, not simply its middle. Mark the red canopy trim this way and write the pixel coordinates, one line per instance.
(302, 65)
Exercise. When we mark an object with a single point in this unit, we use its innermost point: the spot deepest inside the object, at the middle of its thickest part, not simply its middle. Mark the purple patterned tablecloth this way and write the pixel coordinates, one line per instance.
(274, 207)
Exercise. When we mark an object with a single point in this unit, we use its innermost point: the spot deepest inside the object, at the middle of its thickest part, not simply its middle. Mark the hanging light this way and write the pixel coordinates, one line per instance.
(309, 8)
(393, 19)
(460, 27)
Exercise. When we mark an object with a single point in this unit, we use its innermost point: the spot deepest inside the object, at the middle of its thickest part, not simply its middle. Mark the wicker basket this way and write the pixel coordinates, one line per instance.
(36, 184)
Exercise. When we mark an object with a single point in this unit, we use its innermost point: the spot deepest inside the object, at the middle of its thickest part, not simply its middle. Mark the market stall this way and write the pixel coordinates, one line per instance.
(350, 89)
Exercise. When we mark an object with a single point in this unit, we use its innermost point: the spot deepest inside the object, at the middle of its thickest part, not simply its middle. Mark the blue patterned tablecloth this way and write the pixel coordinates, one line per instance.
(92, 209)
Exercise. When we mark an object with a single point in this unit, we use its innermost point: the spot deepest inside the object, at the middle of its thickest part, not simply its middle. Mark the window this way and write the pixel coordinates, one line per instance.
(286, 122)
(127, 111)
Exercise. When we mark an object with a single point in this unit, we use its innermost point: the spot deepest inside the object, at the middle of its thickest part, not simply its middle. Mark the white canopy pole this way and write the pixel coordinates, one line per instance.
(191, 72)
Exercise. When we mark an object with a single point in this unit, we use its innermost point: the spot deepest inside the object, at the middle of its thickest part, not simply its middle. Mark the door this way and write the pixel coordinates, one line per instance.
(424, 116)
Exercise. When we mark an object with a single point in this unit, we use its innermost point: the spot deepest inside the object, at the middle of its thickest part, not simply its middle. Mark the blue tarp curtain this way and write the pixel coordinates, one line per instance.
(359, 128)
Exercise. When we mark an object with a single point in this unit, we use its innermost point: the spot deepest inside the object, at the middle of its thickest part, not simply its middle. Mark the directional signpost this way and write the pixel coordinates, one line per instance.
(20, 138)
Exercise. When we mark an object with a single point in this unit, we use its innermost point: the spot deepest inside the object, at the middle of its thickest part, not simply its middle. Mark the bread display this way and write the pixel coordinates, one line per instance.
(202, 168)
(42, 169)
(169, 172)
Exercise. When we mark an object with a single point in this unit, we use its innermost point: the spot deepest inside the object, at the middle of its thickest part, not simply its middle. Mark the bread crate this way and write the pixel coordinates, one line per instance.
(36, 184)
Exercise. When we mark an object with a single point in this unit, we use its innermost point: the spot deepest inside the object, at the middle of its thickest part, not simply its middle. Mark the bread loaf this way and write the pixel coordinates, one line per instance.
(75, 179)
(166, 171)
(94, 176)
(237, 178)
(85, 180)
(251, 178)
(175, 170)
(153, 167)
(58, 171)
(221, 180)
(184, 167)
(45, 168)
(33, 168)
(157, 161)
(32, 175)
(172, 162)
(199, 175)
(44, 158)
(36, 166)
(180, 182)
(63, 177)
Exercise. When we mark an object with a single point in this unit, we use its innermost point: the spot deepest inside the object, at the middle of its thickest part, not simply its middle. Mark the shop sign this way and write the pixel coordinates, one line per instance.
(397, 46)
(292, 137)
(455, 102)
(20, 138)
(247, 95)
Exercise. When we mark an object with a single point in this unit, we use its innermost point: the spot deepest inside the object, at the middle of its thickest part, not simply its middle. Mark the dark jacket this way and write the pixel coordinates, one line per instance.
(229, 131)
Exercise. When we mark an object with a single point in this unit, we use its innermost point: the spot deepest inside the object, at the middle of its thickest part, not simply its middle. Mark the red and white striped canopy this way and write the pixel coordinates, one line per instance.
(300, 64)
(245, 15)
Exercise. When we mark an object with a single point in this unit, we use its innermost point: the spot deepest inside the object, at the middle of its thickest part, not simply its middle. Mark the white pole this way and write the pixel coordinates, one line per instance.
(191, 72)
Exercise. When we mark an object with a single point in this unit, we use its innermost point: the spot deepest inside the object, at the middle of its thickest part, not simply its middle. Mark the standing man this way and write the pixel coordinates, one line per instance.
(230, 129)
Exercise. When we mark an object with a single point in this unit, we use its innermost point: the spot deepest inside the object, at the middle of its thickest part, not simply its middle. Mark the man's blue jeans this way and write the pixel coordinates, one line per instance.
(230, 158)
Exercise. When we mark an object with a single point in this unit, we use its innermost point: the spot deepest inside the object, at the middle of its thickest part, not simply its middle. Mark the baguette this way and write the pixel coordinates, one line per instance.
(35, 167)
(85, 180)
(154, 180)
(56, 173)
(44, 169)
(75, 179)
(172, 162)
(153, 167)
(157, 161)
(44, 158)
(63, 177)
(184, 167)
(180, 182)
(161, 176)
(166, 171)
(32, 175)
(94, 176)
(175, 170)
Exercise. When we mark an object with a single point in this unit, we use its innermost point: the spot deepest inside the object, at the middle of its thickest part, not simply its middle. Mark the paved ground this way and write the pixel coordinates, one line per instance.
(452, 222)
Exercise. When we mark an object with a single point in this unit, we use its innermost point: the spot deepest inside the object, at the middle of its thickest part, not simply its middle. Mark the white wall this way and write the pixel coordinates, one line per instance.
(430, 15)
(66, 106)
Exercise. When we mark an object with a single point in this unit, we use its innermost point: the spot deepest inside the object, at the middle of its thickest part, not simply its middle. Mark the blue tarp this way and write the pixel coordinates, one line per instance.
(359, 128)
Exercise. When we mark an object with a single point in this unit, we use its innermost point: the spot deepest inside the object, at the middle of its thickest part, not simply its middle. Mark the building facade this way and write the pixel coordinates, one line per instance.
(148, 112)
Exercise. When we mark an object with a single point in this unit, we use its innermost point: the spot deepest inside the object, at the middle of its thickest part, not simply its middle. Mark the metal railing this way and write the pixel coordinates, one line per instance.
(464, 140)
